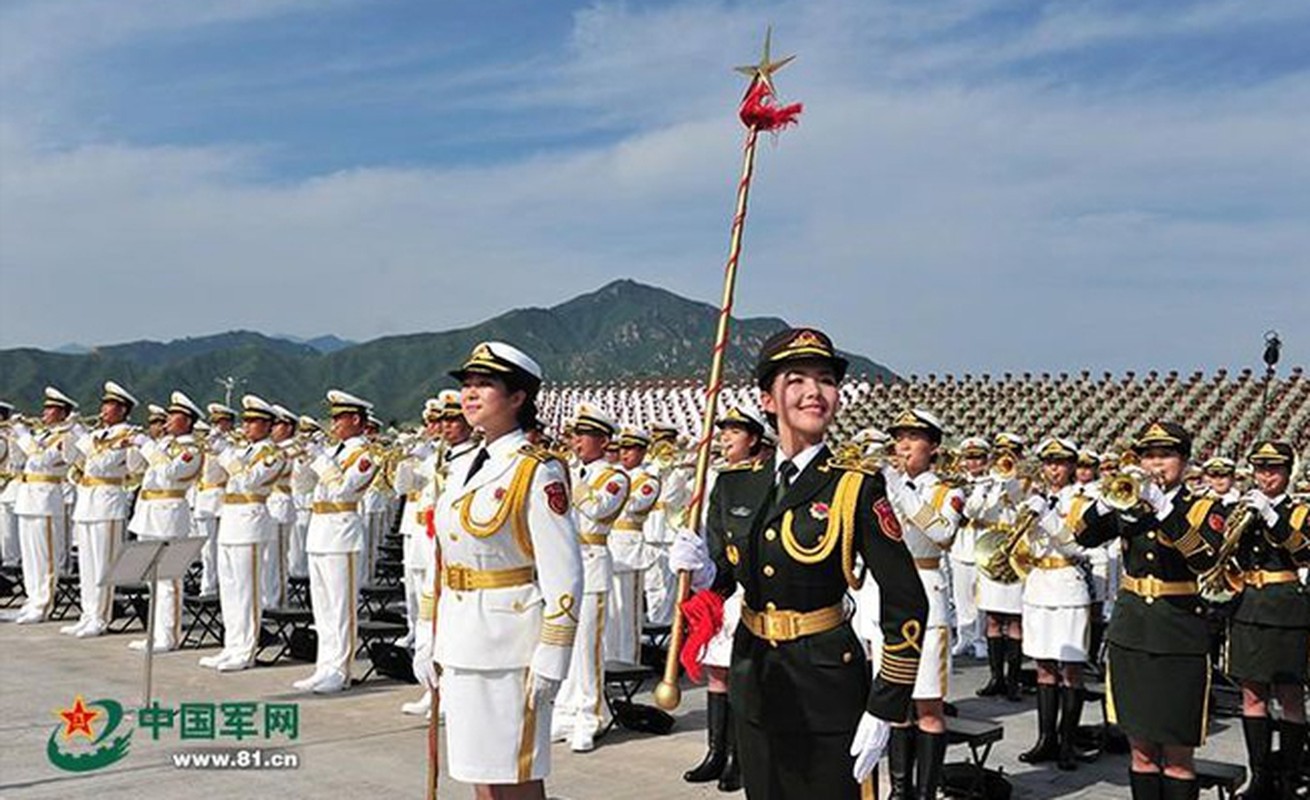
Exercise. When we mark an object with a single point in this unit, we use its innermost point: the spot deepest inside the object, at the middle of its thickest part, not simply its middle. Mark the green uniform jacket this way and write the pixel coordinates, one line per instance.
(818, 683)
(1179, 548)
(1282, 548)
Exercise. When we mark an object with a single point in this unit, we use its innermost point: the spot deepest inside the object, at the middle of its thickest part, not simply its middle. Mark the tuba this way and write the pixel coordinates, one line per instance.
(1226, 575)
(1003, 553)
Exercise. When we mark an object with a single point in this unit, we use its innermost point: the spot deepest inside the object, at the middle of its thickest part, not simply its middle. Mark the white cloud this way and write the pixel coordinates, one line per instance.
(933, 222)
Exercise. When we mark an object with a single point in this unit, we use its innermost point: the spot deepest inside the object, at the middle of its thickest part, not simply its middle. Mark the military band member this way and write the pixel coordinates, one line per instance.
(156, 417)
(251, 467)
(303, 479)
(969, 639)
(39, 502)
(1087, 469)
(809, 724)
(274, 556)
(11, 469)
(375, 503)
(625, 609)
(171, 464)
(993, 503)
(209, 493)
(662, 523)
(414, 470)
(1221, 479)
(599, 492)
(741, 431)
(1158, 674)
(1056, 603)
(509, 575)
(335, 541)
(103, 505)
(930, 512)
(1269, 636)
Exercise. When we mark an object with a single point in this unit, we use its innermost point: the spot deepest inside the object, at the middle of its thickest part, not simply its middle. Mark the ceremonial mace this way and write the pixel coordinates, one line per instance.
(758, 113)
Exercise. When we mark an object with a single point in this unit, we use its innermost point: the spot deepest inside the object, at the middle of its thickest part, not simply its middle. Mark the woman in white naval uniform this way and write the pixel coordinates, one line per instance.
(507, 578)
(994, 502)
(930, 514)
(741, 431)
(1056, 604)
(974, 453)
(171, 465)
(632, 556)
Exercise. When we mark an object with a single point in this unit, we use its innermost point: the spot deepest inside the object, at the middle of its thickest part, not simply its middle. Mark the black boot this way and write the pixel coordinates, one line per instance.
(1071, 714)
(1292, 743)
(1256, 732)
(931, 751)
(730, 779)
(711, 767)
(996, 661)
(1179, 788)
(1047, 747)
(900, 763)
(1013, 670)
(1145, 785)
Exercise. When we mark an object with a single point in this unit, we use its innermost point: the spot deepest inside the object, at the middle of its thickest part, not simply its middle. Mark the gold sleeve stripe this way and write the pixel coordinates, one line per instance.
(925, 517)
(899, 669)
(558, 635)
(1191, 543)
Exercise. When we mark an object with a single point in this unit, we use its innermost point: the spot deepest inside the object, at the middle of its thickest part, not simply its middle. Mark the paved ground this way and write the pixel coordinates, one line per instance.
(358, 744)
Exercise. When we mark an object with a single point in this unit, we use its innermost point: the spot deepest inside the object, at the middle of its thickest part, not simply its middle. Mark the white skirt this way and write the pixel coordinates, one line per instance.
(718, 653)
(491, 735)
(1056, 634)
(999, 598)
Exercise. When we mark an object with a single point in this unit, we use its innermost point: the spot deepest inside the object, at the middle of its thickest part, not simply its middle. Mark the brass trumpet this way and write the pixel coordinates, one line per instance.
(1122, 490)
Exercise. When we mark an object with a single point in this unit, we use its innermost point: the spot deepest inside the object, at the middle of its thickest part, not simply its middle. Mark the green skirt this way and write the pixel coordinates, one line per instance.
(1265, 654)
(1159, 698)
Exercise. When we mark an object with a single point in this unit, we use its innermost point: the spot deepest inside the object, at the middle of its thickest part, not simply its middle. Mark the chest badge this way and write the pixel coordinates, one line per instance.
(819, 511)
(734, 555)
(740, 511)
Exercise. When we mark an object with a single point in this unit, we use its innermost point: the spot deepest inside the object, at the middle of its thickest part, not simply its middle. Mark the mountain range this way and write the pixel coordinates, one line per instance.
(621, 332)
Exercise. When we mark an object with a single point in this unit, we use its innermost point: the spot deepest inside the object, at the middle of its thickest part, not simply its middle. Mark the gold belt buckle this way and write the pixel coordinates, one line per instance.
(458, 577)
(781, 626)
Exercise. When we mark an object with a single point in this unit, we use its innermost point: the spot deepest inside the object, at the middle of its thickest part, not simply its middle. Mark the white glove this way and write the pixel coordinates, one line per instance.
(541, 690)
(1153, 496)
(1262, 505)
(1036, 504)
(424, 667)
(895, 480)
(869, 743)
(690, 553)
(141, 440)
(1103, 509)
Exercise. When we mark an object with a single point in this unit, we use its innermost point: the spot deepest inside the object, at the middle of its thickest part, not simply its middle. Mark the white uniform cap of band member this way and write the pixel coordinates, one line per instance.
(54, 397)
(219, 411)
(255, 407)
(1008, 440)
(659, 429)
(633, 437)
(201, 426)
(307, 424)
(1057, 448)
(179, 402)
(449, 404)
(1088, 458)
(974, 446)
(590, 419)
(431, 409)
(504, 361)
(743, 417)
(117, 394)
(283, 414)
(916, 419)
(1219, 466)
(156, 412)
(340, 402)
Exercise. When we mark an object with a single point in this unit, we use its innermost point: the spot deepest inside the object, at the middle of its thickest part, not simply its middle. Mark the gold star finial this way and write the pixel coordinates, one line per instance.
(764, 70)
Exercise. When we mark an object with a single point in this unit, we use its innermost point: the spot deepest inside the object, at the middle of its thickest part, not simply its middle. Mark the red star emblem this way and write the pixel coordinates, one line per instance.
(78, 719)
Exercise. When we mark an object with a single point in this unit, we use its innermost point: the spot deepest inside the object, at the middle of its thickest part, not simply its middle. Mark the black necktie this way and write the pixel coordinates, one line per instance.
(786, 472)
(910, 485)
(340, 447)
(478, 461)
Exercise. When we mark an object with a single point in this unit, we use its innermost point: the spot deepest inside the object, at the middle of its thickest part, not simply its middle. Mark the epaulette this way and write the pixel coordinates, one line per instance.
(752, 466)
(540, 453)
(854, 465)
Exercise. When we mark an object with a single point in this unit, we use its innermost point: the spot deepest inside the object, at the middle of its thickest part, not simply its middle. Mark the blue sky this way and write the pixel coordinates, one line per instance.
(974, 185)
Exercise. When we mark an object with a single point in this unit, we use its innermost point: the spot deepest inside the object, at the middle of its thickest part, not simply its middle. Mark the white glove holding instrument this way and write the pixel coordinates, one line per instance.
(690, 553)
(425, 669)
(1262, 505)
(868, 745)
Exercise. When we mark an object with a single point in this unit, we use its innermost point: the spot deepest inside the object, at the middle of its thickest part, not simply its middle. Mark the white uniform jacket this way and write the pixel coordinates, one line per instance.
(209, 489)
(251, 471)
(41, 492)
(930, 514)
(11, 466)
(599, 492)
(510, 567)
(281, 505)
(1059, 577)
(171, 466)
(102, 454)
(627, 541)
(344, 472)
